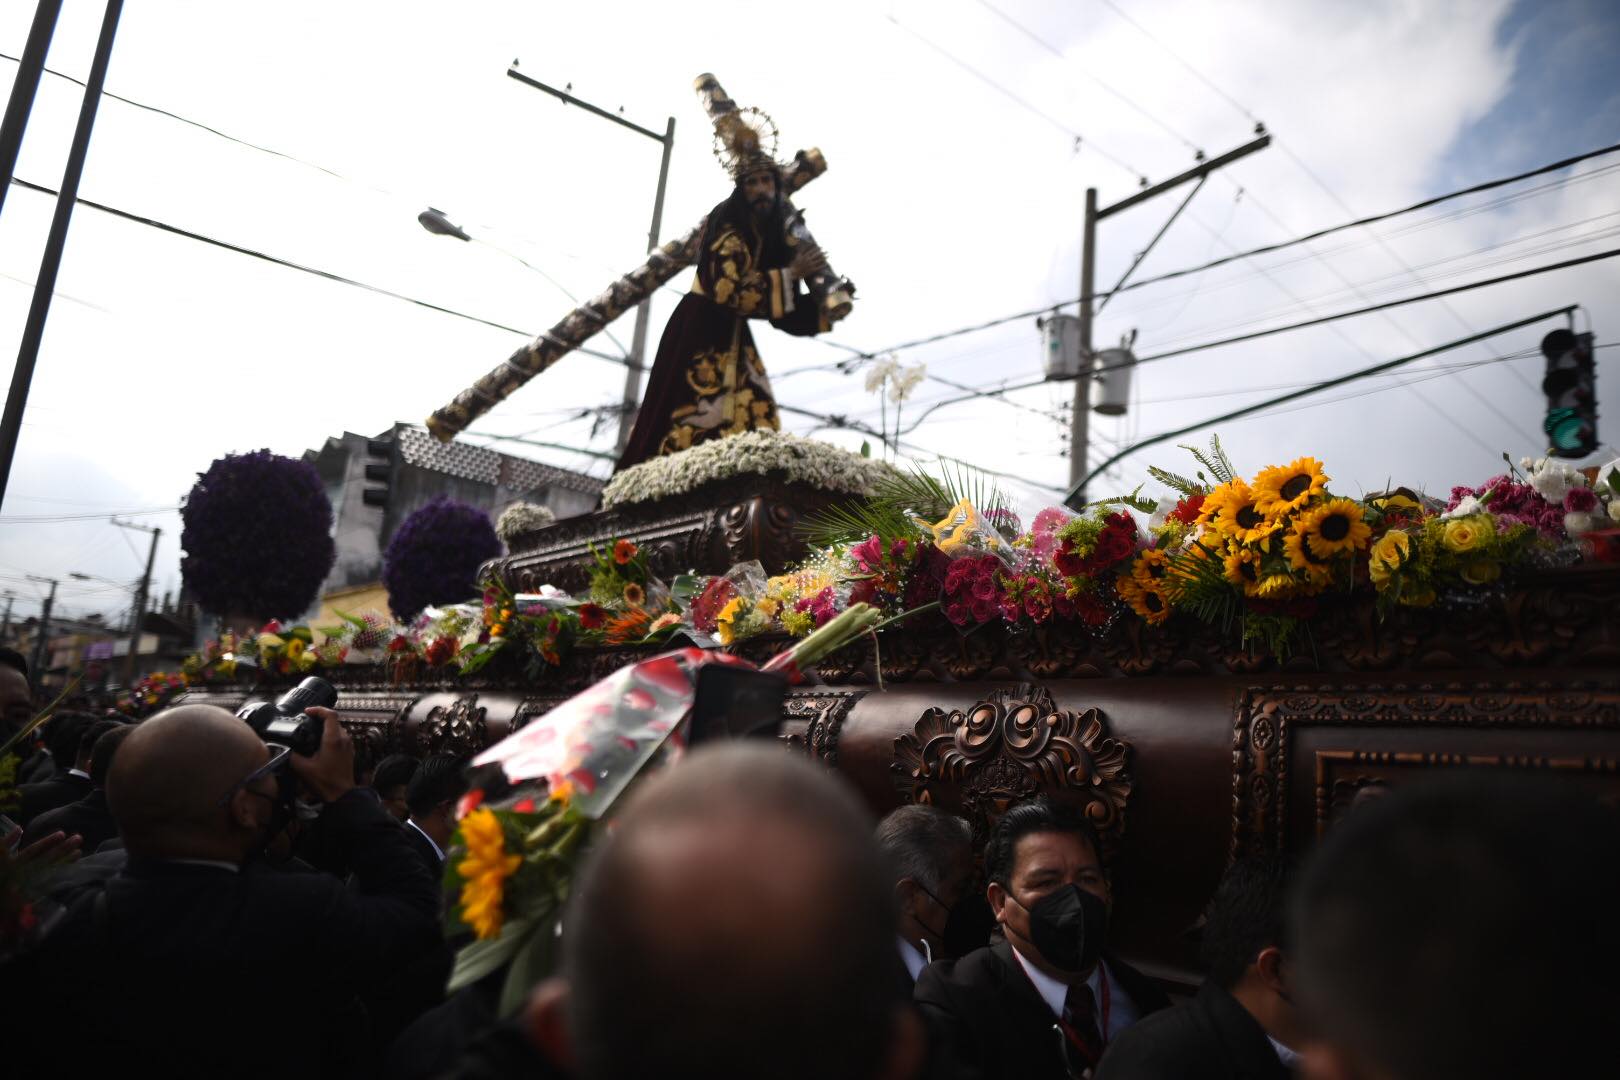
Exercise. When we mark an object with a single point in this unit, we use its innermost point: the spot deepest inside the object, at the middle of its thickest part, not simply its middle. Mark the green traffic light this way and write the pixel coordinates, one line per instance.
(1568, 431)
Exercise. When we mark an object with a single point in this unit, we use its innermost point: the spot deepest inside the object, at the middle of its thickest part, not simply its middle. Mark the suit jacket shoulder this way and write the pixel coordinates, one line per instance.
(996, 1021)
(1211, 1037)
(1144, 992)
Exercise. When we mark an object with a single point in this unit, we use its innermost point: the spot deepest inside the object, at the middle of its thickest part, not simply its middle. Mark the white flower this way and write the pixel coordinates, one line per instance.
(905, 381)
(883, 369)
(520, 518)
(1614, 510)
(1467, 507)
(1552, 479)
(1576, 524)
(758, 452)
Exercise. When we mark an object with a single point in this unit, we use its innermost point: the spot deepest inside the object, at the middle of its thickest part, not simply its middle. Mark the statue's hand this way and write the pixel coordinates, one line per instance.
(807, 261)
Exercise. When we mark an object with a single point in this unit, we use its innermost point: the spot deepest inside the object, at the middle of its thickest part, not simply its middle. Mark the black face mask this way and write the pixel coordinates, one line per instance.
(1068, 927)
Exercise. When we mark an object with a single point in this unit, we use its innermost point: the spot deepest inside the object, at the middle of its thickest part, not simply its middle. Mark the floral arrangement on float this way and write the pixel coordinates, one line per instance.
(1254, 555)
(1257, 554)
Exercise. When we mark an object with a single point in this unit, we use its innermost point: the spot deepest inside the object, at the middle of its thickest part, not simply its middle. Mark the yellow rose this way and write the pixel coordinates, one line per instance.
(1465, 534)
(1388, 556)
(1481, 572)
(1418, 596)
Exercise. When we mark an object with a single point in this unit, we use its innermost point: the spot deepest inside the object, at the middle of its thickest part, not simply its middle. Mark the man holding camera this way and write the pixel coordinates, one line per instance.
(194, 960)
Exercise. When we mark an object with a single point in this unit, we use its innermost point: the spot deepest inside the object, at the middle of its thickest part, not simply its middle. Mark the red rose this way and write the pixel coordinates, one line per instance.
(958, 613)
(1067, 562)
(983, 610)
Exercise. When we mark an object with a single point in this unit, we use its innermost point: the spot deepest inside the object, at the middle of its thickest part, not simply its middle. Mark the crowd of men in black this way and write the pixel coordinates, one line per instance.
(744, 918)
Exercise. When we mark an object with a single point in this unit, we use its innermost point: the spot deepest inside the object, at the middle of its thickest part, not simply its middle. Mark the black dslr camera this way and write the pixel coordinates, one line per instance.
(286, 720)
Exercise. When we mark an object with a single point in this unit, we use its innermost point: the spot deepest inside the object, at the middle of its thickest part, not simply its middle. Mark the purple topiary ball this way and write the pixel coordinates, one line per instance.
(434, 556)
(257, 536)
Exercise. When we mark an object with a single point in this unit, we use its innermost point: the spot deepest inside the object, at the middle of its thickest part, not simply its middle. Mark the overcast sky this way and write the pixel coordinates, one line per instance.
(953, 196)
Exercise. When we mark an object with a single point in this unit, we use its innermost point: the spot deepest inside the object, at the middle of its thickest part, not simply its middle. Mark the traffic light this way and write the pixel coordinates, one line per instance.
(379, 471)
(1570, 386)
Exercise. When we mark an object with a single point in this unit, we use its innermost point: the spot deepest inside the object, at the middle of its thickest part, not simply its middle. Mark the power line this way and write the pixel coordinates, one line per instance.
(1317, 388)
(1080, 142)
(1386, 305)
(327, 274)
(50, 519)
(1055, 51)
(1423, 204)
(1195, 72)
(1031, 313)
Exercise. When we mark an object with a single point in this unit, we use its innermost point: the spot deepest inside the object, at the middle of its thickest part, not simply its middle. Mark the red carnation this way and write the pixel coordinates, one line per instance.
(1188, 509)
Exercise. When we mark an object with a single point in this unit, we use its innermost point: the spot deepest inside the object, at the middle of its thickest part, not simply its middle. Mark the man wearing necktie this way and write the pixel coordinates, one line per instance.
(1045, 1000)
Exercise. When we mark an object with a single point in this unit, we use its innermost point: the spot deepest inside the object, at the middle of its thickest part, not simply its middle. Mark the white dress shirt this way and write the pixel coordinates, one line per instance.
(1289, 1058)
(437, 850)
(914, 960)
(1122, 1011)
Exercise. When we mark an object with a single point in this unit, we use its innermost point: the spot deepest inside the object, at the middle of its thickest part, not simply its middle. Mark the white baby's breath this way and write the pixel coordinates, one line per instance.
(804, 461)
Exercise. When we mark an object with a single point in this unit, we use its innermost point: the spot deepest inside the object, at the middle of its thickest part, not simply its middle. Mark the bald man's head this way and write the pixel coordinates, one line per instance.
(742, 904)
(166, 783)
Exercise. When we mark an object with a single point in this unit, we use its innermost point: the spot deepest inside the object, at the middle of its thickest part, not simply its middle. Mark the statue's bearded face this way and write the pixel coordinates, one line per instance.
(759, 189)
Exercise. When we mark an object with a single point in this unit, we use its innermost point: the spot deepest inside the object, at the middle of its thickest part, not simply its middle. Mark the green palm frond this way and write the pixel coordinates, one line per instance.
(1134, 500)
(1177, 481)
(899, 500)
(1216, 461)
(1199, 587)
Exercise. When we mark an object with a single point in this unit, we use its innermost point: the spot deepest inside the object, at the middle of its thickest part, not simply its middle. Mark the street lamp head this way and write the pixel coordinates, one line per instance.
(435, 222)
(75, 575)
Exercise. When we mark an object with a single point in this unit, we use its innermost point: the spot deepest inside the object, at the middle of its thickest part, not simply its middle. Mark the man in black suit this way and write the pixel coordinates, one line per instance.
(1242, 1024)
(391, 780)
(195, 962)
(1046, 1000)
(89, 818)
(72, 779)
(432, 796)
(930, 853)
(1463, 928)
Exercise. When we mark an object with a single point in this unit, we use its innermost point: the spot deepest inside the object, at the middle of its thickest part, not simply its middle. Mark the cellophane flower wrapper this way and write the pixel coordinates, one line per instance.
(745, 580)
(595, 743)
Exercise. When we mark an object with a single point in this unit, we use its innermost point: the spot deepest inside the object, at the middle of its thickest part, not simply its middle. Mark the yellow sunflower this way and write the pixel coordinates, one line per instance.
(1275, 587)
(1148, 601)
(1151, 567)
(1243, 568)
(1241, 520)
(1217, 502)
(725, 624)
(1333, 527)
(1282, 489)
(484, 872)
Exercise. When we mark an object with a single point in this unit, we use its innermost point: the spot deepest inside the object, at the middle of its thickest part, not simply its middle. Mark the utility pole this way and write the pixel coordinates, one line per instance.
(5, 626)
(140, 597)
(23, 87)
(638, 341)
(45, 283)
(1079, 422)
(36, 666)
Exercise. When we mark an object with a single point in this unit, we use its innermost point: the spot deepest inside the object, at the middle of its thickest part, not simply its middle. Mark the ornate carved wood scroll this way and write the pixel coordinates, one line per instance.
(1369, 737)
(823, 713)
(458, 728)
(1012, 745)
